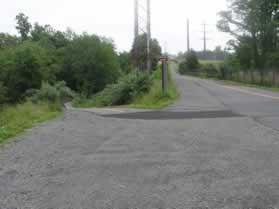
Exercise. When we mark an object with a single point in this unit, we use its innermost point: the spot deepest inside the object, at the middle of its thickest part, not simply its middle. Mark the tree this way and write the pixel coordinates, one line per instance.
(7, 40)
(23, 26)
(256, 20)
(125, 62)
(139, 52)
(48, 37)
(90, 64)
(23, 69)
(190, 63)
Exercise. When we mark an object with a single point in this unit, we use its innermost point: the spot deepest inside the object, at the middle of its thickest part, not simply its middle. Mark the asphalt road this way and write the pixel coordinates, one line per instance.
(226, 159)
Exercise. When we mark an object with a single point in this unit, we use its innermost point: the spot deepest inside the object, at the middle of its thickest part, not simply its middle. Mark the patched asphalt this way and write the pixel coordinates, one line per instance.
(169, 115)
(195, 160)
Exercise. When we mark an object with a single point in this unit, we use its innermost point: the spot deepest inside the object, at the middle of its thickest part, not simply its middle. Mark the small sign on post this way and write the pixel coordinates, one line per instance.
(164, 61)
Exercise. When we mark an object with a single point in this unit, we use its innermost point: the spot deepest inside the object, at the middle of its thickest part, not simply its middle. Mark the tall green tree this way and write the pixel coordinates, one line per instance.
(139, 52)
(23, 26)
(22, 69)
(125, 62)
(252, 22)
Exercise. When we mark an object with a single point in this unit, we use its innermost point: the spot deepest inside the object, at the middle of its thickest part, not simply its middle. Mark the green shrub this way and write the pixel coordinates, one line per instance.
(155, 99)
(90, 63)
(55, 94)
(210, 70)
(22, 69)
(124, 60)
(190, 64)
(123, 92)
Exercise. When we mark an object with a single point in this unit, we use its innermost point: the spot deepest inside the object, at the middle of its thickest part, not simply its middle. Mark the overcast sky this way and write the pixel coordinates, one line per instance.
(114, 19)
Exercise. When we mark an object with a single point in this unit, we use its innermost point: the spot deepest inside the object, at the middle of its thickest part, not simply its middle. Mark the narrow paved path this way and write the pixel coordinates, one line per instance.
(85, 161)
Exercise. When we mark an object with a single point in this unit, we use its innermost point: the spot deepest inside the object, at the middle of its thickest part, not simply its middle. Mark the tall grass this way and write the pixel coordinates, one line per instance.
(215, 63)
(18, 118)
(154, 99)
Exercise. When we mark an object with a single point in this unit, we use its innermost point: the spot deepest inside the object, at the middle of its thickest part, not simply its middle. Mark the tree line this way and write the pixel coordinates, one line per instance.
(42, 56)
(252, 55)
(254, 24)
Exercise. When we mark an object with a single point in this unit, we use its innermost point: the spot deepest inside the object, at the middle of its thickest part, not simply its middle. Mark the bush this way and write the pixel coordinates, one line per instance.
(210, 70)
(55, 94)
(190, 64)
(123, 92)
(90, 64)
(155, 99)
(124, 59)
(22, 69)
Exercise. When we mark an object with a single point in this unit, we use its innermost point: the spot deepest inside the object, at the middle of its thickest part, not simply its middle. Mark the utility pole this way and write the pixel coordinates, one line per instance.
(146, 29)
(204, 37)
(136, 18)
(148, 6)
(188, 35)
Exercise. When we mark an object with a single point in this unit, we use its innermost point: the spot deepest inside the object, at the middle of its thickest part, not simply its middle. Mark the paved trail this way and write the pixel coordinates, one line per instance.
(86, 161)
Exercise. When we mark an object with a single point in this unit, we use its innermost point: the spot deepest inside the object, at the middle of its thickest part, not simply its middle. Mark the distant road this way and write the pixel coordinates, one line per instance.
(217, 147)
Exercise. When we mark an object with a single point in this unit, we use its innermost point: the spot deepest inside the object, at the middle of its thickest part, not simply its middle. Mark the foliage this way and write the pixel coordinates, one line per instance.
(22, 69)
(217, 54)
(16, 119)
(139, 52)
(125, 62)
(210, 70)
(3, 94)
(56, 94)
(48, 37)
(23, 26)
(253, 23)
(154, 98)
(190, 63)
(7, 40)
(127, 88)
(90, 63)
(273, 61)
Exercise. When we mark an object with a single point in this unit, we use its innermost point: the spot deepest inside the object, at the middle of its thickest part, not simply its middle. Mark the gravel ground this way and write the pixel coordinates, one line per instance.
(85, 161)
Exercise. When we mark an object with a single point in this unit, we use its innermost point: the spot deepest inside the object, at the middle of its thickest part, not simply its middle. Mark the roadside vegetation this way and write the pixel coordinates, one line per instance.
(43, 68)
(136, 90)
(154, 98)
(120, 93)
(254, 49)
(17, 118)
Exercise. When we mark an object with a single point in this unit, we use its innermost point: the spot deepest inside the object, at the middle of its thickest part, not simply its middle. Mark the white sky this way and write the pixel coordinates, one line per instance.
(114, 19)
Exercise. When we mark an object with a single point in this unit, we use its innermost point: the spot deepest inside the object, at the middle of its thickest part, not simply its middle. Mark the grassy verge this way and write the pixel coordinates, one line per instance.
(237, 83)
(154, 99)
(16, 119)
(123, 92)
(215, 63)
